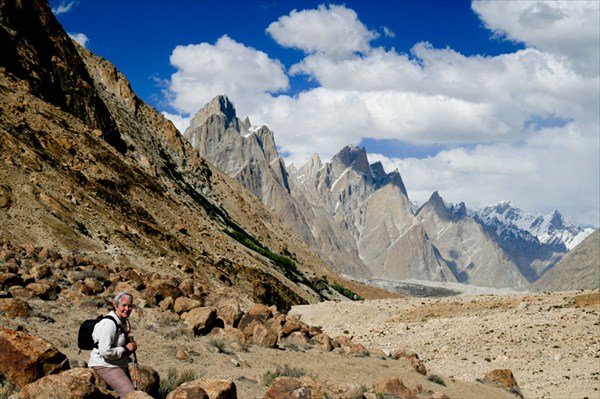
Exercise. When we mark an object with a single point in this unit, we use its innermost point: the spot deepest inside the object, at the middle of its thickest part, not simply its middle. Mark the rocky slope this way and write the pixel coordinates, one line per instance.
(87, 167)
(184, 327)
(579, 269)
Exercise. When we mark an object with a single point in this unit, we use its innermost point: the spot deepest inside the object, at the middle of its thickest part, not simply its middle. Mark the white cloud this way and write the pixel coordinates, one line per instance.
(555, 168)
(80, 38)
(335, 31)
(63, 7)
(244, 74)
(567, 28)
(492, 105)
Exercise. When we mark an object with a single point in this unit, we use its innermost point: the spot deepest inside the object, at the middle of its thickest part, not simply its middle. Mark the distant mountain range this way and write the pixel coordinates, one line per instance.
(360, 220)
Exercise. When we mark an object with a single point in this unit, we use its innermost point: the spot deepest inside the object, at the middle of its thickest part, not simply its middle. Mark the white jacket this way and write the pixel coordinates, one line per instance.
(111, 350)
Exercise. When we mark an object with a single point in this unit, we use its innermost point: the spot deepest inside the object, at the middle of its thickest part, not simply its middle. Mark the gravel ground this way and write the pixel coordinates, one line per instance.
(551, 341)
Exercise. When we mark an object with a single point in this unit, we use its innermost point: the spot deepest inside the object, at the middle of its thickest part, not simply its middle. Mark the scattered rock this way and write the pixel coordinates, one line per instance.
(394, 386)
(14, 307)
(504, 378)
(25, 358)
(201, 320)
(79, 383)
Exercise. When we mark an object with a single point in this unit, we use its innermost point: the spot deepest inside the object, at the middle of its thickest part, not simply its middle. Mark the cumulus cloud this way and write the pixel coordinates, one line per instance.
(243, 73)
(334, 30)
(80, 38)
(521, 126)
(563, 27)
(557, 168)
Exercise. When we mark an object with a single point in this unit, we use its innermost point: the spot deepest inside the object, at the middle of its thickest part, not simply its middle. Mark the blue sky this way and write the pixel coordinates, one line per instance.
(481, 101)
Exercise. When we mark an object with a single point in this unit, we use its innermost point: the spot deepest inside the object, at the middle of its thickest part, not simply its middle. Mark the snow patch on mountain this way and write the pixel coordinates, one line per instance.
(551, 229)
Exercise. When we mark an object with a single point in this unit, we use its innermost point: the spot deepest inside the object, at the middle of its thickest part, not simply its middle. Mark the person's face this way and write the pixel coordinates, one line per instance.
(123, 310)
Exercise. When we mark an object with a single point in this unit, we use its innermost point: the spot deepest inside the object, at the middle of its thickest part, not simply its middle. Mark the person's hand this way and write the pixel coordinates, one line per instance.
(131, 346)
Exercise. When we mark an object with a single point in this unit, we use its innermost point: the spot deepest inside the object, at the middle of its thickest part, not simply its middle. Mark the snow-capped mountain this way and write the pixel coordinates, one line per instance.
(550, 229)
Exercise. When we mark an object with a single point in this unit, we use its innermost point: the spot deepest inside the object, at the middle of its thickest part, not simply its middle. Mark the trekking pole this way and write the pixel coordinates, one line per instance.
(135, 370)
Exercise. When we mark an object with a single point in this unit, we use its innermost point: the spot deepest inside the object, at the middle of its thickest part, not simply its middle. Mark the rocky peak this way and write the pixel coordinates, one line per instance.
(393, 178)
(309, 171)
(458, 211)
(377, 170)
(436, 204)
(219, 107)
(355, 158)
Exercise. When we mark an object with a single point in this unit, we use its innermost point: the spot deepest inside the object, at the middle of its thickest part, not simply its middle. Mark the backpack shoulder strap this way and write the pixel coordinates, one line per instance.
(119, 327)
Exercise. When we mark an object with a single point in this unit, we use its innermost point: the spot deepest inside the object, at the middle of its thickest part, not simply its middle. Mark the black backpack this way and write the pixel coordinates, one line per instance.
(84, 338)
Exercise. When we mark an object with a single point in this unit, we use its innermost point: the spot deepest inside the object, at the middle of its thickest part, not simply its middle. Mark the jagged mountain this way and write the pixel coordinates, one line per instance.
(248, 154)
(88, 168)
(517, 246)
(470, 251)
(335, 206)
(348, 208)
(551, 230)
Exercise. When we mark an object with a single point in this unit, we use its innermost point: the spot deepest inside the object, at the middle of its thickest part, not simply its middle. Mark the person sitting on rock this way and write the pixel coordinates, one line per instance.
(110, 357)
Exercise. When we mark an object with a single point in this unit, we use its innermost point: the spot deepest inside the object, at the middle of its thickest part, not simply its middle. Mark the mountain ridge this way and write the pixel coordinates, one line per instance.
(384, 230)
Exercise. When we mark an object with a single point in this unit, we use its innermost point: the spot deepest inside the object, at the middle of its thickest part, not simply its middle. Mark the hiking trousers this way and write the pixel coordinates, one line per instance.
(117, 379)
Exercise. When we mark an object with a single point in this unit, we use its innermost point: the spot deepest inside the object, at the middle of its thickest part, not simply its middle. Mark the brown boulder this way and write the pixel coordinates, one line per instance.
(227, 333)
(188, 390)
(298, 339)
(358, 350)
(45, 290)
(342, 341)
(187, 286)
(201, 320)
(14, 307)
(183, 304)
(295, 388)
(149, 379)
(166, 304)
(322, 342)
(263, 312)
(228, 310)
(89, 286)
(165, 289)
(134, 278)
(413, 358)
(21, 293)
(502, 377)
(287, 388)
(313, 331)
(79, 383)
(394, 386)
(25, 358)
(149, 295)
(263, 336)
(40, 272)
(217, 388)
(247, 323)
(291, 326)
(417, 364)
